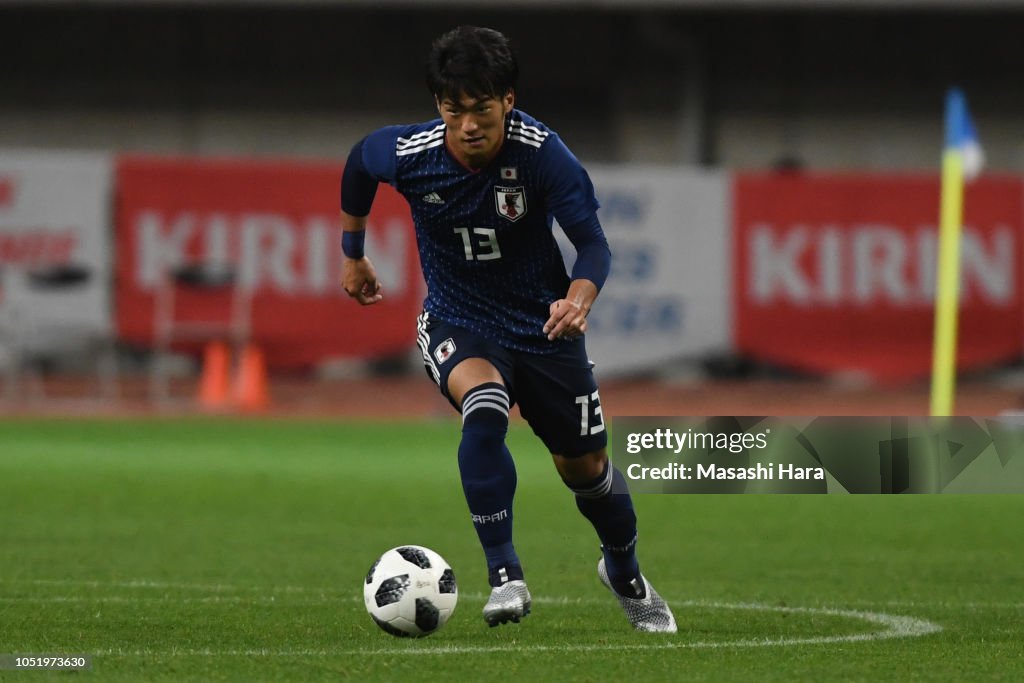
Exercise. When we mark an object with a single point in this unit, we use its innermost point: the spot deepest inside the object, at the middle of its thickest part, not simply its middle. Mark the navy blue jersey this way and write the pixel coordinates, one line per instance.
(485, 238)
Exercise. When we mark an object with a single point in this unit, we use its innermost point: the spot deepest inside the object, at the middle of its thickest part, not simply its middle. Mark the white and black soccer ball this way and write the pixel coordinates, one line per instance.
(410, 591)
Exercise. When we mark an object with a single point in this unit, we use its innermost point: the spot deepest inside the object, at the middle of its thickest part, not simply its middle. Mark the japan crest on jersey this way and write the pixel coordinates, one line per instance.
(510, 202)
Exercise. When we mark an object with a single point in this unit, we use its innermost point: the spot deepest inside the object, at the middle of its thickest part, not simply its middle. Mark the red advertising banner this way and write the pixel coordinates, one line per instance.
(836, 273)
(277, 224)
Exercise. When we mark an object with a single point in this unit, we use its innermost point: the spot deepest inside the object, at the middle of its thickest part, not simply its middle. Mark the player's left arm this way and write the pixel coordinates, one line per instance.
(571, 199)
(568, 316)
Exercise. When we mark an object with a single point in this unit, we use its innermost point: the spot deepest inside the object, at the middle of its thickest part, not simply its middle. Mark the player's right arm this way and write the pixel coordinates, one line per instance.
(358, 276)
(370, 161)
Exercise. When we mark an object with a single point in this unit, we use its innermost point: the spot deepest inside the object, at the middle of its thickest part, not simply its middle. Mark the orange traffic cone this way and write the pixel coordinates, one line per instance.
(213, 384)
(251, 391)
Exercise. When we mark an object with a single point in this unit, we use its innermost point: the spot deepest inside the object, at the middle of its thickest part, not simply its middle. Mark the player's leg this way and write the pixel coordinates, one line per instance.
(489, 482)
(603, 497)
(466, 369)
(485, 464)
(558, 397)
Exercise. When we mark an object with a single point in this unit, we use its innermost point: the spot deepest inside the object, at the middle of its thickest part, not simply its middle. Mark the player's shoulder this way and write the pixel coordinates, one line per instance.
(407, 139)
(418, 137)
(525, 130)
(391, 151)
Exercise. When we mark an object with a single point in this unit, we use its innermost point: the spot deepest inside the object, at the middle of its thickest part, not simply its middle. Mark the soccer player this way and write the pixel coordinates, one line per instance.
(503, 322)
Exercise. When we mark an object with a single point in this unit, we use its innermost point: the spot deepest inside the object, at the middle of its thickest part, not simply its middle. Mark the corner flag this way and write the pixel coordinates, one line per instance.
(962, 160)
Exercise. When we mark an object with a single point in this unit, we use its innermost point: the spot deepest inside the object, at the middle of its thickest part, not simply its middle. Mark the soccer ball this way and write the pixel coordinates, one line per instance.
(410, 591)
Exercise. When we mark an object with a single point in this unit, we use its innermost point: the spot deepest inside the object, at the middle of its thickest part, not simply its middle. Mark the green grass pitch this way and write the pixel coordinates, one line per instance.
(236, 550)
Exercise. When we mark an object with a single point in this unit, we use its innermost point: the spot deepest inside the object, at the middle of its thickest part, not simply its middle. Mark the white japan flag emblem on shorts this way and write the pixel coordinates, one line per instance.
(444, 350)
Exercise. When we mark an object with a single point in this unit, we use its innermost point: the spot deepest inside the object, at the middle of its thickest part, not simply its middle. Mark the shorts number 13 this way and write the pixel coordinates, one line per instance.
(585, 402)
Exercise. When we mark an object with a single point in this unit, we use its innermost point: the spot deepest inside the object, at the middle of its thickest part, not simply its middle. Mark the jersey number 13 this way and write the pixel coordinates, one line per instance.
(481, 245)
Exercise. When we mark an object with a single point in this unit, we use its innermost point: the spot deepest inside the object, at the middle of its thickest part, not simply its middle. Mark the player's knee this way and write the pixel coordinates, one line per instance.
(468, 375)
(593, 481)
(485, 410)
(584, 470)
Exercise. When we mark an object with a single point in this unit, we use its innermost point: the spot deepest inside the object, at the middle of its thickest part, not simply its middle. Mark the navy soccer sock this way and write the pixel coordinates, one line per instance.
(489, 477)
(606, 502)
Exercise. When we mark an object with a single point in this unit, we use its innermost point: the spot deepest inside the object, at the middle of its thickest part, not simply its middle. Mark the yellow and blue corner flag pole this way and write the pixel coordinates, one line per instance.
(962, 160)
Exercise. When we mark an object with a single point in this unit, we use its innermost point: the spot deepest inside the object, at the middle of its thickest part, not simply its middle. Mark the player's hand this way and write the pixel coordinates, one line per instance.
(359, 279)
(568, 320)
(569, 315)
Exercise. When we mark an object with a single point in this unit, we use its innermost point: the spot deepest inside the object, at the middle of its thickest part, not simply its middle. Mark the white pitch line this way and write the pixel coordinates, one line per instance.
(164, 600)
(893, 626)
(335, 594)
(330, 594)
(161, 585)
(305, 601)
(941, 604)
(473, 597)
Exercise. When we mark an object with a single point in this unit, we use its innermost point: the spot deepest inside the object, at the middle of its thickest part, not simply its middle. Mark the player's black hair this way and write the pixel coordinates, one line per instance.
(471, 60)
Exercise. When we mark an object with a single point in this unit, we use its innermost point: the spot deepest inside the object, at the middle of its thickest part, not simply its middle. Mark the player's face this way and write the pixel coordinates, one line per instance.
(475, 126)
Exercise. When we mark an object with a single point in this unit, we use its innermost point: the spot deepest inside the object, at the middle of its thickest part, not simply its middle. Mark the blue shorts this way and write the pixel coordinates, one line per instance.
(556, 393)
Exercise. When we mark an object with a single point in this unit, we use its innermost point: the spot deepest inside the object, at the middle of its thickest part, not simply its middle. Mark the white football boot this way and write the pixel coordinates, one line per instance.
(650, 613)
(508, 602)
